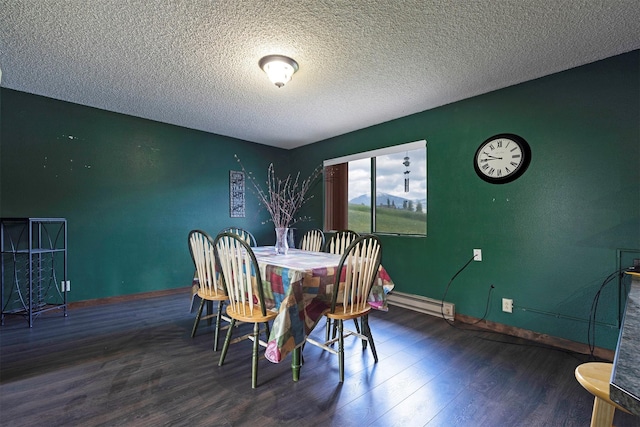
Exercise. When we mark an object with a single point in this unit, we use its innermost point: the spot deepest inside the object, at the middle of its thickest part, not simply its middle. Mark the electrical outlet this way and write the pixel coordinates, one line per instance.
(65, 286)
(68, 285)
(507, 305)
(477, 254)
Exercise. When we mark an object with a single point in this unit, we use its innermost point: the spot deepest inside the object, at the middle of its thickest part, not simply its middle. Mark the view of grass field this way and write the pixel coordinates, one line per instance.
(389, 220)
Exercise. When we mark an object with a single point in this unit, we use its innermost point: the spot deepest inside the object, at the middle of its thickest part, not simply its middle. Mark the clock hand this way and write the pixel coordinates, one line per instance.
(492, 157)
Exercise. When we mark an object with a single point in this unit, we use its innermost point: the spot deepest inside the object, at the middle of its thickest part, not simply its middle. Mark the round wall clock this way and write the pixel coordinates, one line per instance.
(502, 158)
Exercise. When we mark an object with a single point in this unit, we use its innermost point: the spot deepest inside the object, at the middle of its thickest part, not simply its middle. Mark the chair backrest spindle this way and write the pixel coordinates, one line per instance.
(241, 273)
(339, 242)
(245, 234)
(313, 240)
(203, 255)
(360, 263)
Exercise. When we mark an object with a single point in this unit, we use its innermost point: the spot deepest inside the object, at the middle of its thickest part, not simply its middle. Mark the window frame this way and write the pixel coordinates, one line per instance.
(372, 155)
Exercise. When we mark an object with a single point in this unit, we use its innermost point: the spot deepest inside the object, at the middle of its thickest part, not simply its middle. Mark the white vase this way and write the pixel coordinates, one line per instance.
(282, 245)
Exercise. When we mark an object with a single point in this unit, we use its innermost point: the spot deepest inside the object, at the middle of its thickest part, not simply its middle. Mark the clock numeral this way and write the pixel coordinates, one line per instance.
(502, 158)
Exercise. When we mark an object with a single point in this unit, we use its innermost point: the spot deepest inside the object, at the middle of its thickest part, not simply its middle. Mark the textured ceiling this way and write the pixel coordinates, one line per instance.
(194, 63)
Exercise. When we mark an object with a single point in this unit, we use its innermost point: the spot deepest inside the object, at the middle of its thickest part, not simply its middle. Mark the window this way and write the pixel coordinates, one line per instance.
(380, 191)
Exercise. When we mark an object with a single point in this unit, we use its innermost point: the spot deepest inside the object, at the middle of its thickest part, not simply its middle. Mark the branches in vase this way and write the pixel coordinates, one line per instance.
(283, 197)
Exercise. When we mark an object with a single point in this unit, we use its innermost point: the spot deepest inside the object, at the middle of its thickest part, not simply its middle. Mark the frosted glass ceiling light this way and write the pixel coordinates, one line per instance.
(279, 68)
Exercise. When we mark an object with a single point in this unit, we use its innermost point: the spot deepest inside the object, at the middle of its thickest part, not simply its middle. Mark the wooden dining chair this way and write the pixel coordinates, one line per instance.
(337, 245)
(354, 278)
(313, 240)
(243, 282)
(245, 234)
(339, 241)
(210, 288)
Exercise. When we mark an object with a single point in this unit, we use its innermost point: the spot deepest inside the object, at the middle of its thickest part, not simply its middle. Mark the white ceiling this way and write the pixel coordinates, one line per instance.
(194, 63)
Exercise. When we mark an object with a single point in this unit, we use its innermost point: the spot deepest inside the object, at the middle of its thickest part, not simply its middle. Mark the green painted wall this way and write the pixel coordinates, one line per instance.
(131, 189)
(550, 238)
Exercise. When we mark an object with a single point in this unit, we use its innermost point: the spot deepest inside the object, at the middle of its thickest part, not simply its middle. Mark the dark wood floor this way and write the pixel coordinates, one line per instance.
(134, 364)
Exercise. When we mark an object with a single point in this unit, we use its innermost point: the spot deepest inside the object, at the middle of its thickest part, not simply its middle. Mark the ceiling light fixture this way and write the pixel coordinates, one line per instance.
(279, 68)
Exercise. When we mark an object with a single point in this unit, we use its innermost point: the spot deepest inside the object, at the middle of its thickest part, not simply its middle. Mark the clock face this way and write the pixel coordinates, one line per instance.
(502, 158)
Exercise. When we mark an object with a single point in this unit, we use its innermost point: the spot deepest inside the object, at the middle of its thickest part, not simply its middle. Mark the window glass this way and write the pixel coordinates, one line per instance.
(359, 199)
(401, 194)
(398, 191)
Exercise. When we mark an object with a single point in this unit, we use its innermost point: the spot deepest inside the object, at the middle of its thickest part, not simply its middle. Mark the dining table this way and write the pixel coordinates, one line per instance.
(299, 285)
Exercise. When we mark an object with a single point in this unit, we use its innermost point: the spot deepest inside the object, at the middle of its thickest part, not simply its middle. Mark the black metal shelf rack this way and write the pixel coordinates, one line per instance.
(33, 266)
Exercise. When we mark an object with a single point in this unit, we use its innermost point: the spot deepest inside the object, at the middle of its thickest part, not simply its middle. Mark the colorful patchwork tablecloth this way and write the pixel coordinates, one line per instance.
(299, 285)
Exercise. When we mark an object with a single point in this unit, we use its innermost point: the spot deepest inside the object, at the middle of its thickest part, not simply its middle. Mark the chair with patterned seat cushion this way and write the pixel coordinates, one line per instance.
(243, 283)
(356, 273)
(210, 289)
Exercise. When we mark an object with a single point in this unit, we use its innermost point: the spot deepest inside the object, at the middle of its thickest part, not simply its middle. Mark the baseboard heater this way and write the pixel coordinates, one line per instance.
(422, 304)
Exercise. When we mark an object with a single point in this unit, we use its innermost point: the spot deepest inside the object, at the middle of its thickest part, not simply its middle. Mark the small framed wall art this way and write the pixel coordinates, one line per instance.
(236, 194)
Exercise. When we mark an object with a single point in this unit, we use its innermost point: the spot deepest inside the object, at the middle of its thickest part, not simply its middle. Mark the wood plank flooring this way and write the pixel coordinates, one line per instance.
(133, 363)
